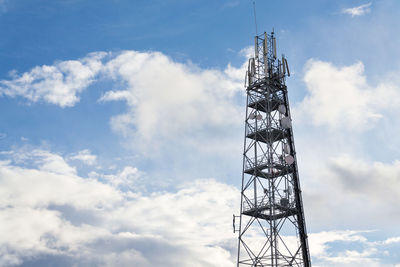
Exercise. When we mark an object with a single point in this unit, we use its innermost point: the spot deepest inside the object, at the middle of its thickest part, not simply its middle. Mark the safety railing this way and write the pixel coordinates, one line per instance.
(264, 160)
(263, 202)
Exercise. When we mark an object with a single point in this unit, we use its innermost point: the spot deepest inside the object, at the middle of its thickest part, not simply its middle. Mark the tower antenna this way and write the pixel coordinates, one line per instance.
(255, 17)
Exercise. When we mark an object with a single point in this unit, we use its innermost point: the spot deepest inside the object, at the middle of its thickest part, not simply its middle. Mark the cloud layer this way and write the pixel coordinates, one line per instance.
(50, 211)
(53, 215)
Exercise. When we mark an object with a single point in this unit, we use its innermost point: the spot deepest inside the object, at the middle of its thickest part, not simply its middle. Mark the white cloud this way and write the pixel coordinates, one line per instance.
(358, 10)
(350, 248)
(391, 240)
(167, 98)
(59, 214)
(320, 244)
(57, 84)
(340, 97)
(43, 159)
(51, 181)
(118, 95)
(85, 156)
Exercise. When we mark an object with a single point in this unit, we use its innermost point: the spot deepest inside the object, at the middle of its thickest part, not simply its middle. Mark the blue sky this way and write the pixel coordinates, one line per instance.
(122, 128)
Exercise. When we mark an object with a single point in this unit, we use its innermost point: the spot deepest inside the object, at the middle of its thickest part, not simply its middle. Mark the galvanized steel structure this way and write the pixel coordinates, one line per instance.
(271, 228)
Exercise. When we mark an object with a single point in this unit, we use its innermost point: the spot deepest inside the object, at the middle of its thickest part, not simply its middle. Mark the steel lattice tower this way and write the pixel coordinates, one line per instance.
(272, 229)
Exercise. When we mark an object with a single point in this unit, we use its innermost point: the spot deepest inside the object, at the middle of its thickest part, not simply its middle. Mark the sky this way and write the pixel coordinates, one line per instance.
(122, 122)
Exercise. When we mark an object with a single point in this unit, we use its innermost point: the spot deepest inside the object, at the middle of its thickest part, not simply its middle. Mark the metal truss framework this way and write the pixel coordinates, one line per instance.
(272, 229)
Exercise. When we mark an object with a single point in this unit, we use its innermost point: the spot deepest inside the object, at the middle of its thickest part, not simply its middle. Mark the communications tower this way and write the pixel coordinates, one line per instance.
(272, 230)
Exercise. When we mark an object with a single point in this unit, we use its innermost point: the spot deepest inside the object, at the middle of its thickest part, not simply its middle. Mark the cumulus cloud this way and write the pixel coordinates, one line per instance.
(167, 99)
(57, 84)
(85, 156)
(340, 97)
(391, 240)
(81, 221)
(358, 10)
(118, 95)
